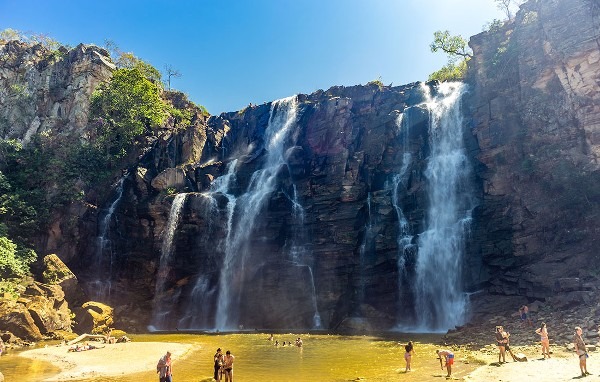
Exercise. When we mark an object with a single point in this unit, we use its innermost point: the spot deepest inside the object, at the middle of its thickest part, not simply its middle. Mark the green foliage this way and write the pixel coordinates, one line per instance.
(376, 82)
(457, 50)
(128, 60)
(47, 42)
(14, 262)
(181, 118)
(450, 72)
(124, 109)
(10, 34)
(454, 46)
(494, 26)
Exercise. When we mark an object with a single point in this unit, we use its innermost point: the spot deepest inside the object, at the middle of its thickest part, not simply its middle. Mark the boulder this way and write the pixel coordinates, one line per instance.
(56, 272)
(16, 319)
(93, 317)
(48, 307)
(170, 178)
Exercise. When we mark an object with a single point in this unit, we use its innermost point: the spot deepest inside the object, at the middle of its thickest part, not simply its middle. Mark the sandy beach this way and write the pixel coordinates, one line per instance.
(562, 367)
(109, 361)
(134, 357)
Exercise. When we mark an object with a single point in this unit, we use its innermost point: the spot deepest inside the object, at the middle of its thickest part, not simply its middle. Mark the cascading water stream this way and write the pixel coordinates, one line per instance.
(299, 253)
(104, 255)
(400, 179)
(198, 316)
(282, 121)
(160, 308)
(439, 298)
(364, 251)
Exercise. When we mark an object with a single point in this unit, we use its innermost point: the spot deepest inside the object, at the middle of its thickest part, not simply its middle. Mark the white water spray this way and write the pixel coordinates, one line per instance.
(104, 256)
(282, 121)
(161, 309)
(439, 298)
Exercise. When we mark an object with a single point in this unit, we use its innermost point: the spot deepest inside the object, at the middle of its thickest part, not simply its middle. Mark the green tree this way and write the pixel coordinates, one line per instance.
(128, 60)
(124, 109)
(458, 52)
(14, 263)
(10, 34)
(454, 46)
(450, 72)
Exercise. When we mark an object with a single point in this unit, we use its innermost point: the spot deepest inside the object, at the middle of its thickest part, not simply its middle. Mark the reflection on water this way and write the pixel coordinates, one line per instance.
(323, 358)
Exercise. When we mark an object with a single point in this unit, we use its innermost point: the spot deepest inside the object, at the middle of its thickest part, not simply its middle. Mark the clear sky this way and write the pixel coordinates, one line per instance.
(233, 52)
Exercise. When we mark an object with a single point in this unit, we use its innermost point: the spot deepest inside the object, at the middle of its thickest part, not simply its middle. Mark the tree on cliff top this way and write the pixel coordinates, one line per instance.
(458, 53)
(124, 109)
(507, 6)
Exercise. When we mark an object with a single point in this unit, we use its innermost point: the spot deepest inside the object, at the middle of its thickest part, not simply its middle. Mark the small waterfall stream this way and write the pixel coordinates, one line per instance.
(300, 255)
(104, 254)
(439, 297)
(162, 308)
(282, 120)
(197, 313)
(406, 248)
(364, 251)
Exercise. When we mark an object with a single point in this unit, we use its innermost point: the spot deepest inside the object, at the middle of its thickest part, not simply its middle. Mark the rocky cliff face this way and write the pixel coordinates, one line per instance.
(43, 91)
(536, 118)
(324, 234)
(343, 153)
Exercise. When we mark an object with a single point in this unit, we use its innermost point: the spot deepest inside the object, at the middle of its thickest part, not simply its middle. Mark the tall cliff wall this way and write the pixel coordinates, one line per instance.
(536, 116)
(326, 238)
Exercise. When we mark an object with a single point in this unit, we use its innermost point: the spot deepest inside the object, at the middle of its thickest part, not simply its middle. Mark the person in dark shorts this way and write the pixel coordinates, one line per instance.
(218, 358)
(228, 366)
(581, 351)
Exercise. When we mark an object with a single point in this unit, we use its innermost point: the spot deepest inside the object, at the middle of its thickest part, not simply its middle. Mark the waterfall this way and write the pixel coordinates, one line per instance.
(364, 250)
(439, 299)
(197, 313)
(299, 253)
(104, 255)
(162, 308)
(404, 239)
(282, 120)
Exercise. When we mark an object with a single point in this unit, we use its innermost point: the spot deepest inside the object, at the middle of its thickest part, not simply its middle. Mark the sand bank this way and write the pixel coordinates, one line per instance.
(110, 361)
(563, 367)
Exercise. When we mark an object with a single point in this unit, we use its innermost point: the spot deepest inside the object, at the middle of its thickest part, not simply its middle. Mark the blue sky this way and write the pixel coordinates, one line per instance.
(231, 53)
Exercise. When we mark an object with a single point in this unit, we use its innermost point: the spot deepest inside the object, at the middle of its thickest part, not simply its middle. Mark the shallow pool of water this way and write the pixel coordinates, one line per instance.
(322, 358)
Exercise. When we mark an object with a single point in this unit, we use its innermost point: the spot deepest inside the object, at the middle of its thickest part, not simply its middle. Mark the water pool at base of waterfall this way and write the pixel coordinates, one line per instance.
(321, 358)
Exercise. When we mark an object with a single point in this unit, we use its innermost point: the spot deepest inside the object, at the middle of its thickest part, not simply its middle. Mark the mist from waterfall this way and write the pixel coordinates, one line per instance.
(282, 120)
(440, 302)
(161, 308)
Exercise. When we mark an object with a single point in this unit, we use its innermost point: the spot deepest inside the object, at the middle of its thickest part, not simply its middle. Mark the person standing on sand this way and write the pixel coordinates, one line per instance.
(501, 342)
(228, 366)
(581, 351)
(449, 357)
(218, 358)
(410, 351)
(164, 368)
(544, 339)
